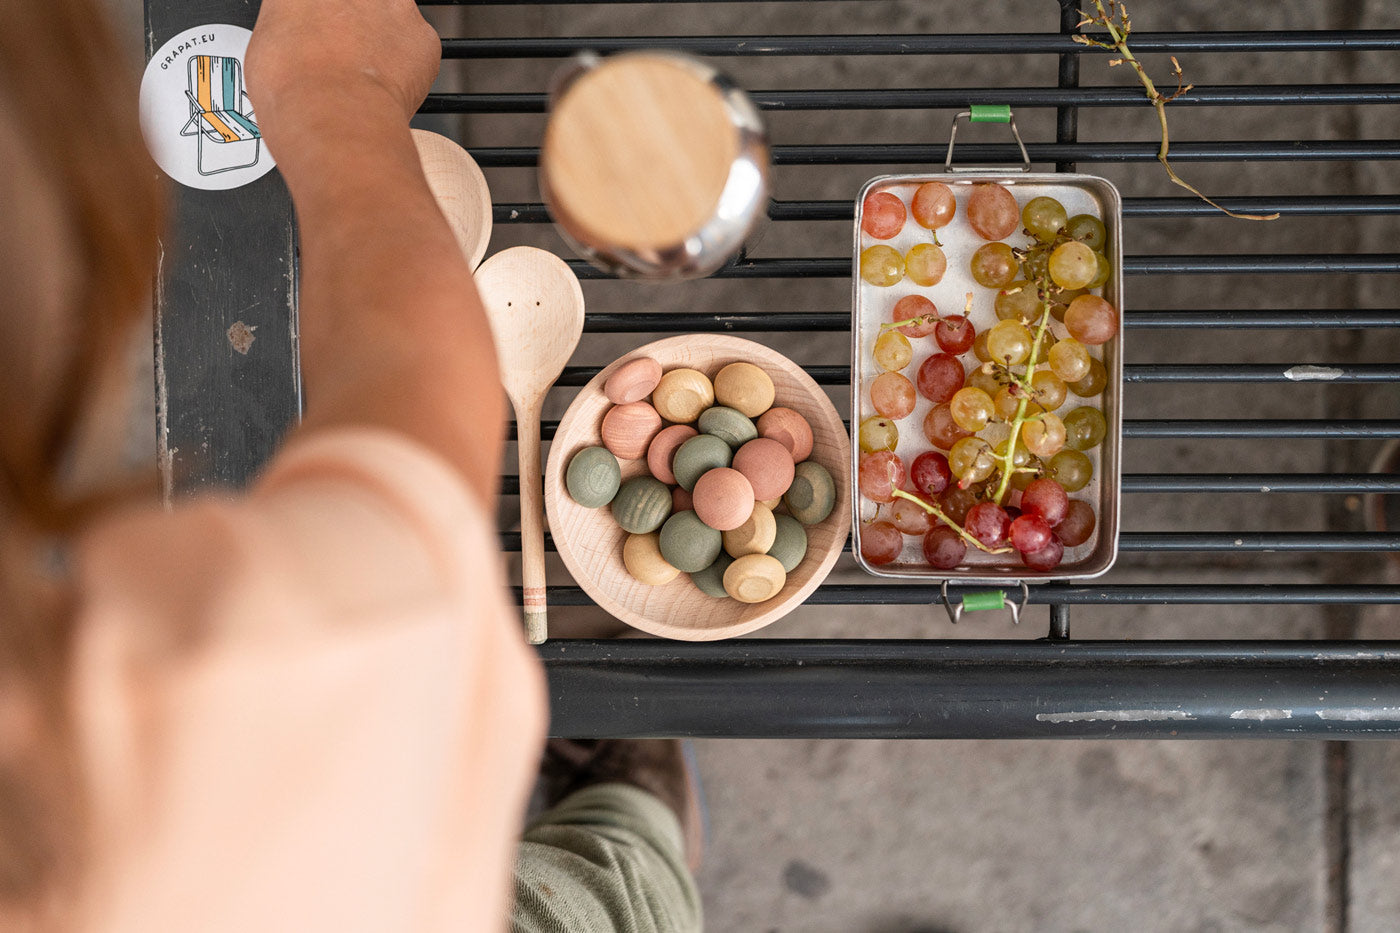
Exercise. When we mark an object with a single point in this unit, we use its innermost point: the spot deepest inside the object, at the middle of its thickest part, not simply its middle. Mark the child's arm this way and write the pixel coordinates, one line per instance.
(392, 330)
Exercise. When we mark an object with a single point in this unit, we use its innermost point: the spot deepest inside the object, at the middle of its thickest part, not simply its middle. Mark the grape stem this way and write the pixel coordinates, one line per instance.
(938, 513)
(1118, 36)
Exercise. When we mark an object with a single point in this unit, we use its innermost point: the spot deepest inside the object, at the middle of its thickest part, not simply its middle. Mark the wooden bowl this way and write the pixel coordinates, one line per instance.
(590, 542)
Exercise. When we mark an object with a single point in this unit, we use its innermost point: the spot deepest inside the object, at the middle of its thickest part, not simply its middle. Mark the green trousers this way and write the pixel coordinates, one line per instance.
(608, 858)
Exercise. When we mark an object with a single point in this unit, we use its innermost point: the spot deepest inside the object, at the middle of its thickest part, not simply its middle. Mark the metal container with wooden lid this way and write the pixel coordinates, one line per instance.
(653, 164)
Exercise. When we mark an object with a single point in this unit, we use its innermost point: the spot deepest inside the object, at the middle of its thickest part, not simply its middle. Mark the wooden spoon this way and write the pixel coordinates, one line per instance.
(535, 306)
(460, 189)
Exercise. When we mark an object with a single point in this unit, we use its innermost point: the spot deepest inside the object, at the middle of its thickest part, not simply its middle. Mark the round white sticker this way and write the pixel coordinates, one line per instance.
(195, 113)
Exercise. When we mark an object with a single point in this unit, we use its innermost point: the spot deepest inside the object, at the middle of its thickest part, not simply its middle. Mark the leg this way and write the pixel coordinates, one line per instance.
(608, 858)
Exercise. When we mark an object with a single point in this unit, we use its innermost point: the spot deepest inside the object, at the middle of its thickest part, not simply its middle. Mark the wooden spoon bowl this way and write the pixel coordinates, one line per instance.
(590, 543)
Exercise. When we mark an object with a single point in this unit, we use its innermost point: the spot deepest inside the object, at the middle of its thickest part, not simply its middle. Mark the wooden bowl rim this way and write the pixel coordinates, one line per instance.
(556, 497)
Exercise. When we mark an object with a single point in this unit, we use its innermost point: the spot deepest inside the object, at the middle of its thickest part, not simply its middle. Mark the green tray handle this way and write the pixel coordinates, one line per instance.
(990, 113)
(983, 600)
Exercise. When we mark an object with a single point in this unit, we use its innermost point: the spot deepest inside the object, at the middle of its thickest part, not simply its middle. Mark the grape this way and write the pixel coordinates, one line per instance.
(1101, 277)
(1092, 384)
(892, 394)
(925, 264)
(993, 265)
(1029, 533)
(940, 428)
(1048, 390)
(1045, 436)
(971, 408)
(988, 523)
(1046, 498)
(1047, 558)
(881, 265)
(1060, 299)
(971, 460)
(992, 212)
(1035, 266)
(1069, 359)
(940, 376)
(880, 543)
(912, 306)
(933, 205)
(944, 548)
(1073, 265)
(1024, 477)
(980, 378)
(1077, 526)
(1017, 302)
(1009, 342)
(1091, 320)
(956, 501)
(882, 215)
(1085, 428)
(1088, 230)
(1071, 469)
(878, 434)
(880, 474)
(1005, 401)
(1044, 217)
(892, 351)
(955, 334)
(979, 347)
(929, 473)
(1019, 459)
(909, 518)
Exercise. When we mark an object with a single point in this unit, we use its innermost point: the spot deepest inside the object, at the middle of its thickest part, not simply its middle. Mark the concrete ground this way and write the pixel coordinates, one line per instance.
(918, 837)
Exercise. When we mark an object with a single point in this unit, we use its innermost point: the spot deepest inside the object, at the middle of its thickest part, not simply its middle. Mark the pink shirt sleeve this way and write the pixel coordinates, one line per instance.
(307, 709)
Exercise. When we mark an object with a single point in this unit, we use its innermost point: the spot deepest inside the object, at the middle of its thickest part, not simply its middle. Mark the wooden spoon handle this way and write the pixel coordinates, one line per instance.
(527, 426)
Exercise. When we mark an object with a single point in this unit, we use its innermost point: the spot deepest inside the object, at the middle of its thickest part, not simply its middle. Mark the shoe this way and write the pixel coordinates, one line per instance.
(664, 768)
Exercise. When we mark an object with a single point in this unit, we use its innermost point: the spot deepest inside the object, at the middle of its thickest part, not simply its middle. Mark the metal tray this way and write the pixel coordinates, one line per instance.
(1080, 194)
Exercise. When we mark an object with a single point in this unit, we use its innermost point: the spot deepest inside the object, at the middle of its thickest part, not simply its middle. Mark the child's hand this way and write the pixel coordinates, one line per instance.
(311, 60)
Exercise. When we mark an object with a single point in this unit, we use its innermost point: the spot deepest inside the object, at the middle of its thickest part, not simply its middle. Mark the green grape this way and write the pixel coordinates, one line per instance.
(1035, 266)
(971, 460)
(979, 379)
(1072, 265)
(892, 351)
(1088, 230)
(971, 408)
(979, 347)
(1092, 384)
(993, 265)
(1071, 469)
(1018, 302)
(1044, 217)
(1100, 278)
(1044, 437)
(1020, 458)
(1009, 342)
(881, 265)
(925, 264)
(1069, 359)
(1048, 389)
(1085, 428)
(1023, 477)
(878, 434)
(1005, 402)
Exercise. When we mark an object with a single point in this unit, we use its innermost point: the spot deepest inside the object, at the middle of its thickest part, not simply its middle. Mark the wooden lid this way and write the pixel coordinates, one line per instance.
(637, 152)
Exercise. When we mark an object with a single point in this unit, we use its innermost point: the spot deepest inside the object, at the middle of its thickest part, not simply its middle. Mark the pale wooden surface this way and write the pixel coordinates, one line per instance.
(535, 306)
(590, 542)
(460, 189)
(637, 151)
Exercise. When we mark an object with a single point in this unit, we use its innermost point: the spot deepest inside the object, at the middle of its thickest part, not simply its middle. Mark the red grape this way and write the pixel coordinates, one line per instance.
(1046, 498)
(988, 523)
(912, 306)
(944, 548)
(1047, 558)
(1091, 320)
(892, 395)
(1078, 524)
(881, 473)
(992, 212)
(929, 473)
(933, 205)
(880, 543)
(940, 428)
(956, 502)
(909, 517)
(882, 215)
(1029, 533)
(955, 334)
(940, 377)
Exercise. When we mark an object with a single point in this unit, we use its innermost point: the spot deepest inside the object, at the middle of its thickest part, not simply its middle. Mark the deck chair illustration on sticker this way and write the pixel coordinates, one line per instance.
(216, 109)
